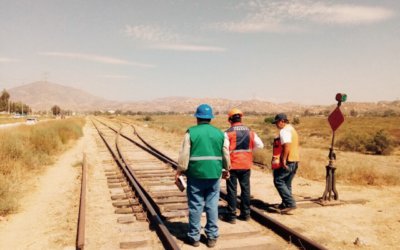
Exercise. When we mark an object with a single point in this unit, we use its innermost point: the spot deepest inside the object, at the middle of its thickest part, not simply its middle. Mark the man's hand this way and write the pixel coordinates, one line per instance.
(284, 165)
(225, 174)
(275, 160)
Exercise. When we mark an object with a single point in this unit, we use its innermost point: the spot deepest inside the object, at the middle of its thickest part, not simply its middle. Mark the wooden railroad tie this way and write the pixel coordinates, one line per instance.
(117, 185)
(128, 202)
(122, 196)
(129, 210)
(126, 219)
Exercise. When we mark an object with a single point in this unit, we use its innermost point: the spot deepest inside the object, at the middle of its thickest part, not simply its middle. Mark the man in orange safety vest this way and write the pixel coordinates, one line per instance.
(242, 142)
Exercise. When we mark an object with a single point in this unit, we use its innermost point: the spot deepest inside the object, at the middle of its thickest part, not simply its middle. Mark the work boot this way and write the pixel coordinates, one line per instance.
(287, 210)
(228, 219)
(192, 242)
(282, 206)
(211, 243)
(244, 217)
(279, 206)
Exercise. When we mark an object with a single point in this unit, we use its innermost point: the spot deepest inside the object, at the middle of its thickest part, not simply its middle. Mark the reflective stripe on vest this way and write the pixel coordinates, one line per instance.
(205, 158)
(240, 150)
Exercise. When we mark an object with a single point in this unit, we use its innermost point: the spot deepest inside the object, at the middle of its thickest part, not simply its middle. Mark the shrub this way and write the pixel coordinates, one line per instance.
(353, 141)
(147, 118)
(380, 143)
(296, 120)
(389, 113)
(353, 113)
(269, 120)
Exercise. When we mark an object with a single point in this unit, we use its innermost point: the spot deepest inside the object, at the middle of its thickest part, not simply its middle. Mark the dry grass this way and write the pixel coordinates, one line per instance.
(26, 150)
(315, 138)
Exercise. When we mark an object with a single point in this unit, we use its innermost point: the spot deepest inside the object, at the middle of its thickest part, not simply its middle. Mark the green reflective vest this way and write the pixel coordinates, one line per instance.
(206, 144)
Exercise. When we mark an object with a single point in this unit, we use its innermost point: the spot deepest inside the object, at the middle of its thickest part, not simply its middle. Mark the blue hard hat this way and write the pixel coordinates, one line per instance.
(204, 111)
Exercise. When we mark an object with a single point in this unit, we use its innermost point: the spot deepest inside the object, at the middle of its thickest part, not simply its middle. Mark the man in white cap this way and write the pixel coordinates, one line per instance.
(289, 159)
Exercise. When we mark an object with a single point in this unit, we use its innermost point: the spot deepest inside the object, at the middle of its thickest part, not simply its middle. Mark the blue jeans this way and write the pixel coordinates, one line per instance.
(283, 183)
(243, 176)
(203, 194)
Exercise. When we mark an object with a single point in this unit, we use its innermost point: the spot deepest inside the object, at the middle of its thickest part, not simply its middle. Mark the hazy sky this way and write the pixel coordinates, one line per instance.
(302, 51)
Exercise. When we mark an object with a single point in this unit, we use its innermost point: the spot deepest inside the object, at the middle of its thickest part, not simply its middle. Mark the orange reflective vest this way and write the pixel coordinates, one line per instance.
(276, 153)
(241, 144)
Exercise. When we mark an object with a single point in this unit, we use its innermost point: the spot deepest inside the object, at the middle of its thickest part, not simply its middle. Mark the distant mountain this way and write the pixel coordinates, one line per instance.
(44, 95)
(187, 104)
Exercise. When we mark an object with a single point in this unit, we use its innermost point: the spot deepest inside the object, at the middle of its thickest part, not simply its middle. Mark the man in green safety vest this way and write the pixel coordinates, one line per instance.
(203, 156)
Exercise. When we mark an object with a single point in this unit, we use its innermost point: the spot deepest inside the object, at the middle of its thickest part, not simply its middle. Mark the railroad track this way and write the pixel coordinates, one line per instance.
(147, 182)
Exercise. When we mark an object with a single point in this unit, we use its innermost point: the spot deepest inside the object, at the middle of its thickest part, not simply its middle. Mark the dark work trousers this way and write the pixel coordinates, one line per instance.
(283, 183)
(243, 176)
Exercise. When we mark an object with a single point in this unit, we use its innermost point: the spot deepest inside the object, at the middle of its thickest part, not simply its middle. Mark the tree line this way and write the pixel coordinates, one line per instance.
(6, 105)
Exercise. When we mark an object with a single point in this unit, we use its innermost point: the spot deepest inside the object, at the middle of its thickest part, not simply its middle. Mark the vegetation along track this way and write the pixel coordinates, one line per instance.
(151, 174)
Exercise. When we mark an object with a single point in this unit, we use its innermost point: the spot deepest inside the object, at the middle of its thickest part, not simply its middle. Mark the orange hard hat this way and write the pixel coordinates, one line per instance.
(235, 111)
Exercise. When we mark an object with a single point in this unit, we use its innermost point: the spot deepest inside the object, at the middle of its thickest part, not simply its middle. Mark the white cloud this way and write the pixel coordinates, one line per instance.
(337, 13)
(8, 60)
(283, 16)
(253, 25)
(189, 47)
(95, 58)
(158, 38)
(150, 33)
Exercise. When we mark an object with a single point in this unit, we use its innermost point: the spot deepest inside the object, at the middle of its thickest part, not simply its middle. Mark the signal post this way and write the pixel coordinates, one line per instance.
(335, 119)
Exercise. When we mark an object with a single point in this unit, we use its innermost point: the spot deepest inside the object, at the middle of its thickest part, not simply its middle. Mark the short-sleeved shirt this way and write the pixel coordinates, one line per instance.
(289, 135)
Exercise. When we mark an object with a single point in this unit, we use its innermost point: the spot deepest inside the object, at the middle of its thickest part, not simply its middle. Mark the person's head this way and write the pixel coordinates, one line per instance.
(235, 115)
(280, 120)
(204, 113)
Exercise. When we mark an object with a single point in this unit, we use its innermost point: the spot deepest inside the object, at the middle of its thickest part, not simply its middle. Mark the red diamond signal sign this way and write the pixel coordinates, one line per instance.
(336, 119)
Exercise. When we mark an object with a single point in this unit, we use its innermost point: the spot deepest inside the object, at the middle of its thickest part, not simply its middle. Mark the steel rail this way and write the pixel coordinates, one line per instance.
(154, 218)
(155, 153)
(154, 205)
(285, 232)
(153, 148)
(80, 239)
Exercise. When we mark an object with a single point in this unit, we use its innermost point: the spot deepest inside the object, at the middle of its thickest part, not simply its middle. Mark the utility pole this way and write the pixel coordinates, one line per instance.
(8, 105)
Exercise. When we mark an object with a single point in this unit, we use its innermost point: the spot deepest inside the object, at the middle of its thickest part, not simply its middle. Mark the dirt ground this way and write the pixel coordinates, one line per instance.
(367, 218)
